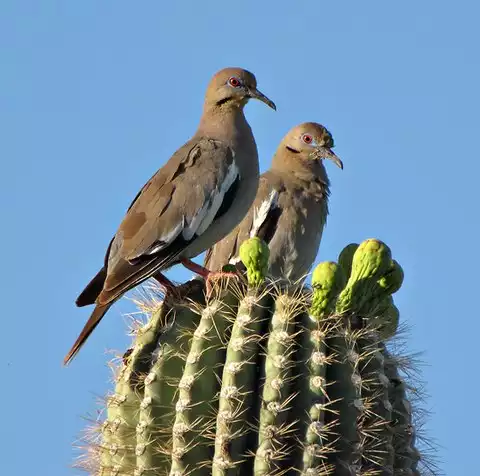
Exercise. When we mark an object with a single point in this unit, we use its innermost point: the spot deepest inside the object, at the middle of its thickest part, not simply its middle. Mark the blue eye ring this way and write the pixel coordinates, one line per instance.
(234, 82)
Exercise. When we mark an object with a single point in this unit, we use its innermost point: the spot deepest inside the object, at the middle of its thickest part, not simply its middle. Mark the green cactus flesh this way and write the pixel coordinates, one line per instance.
(406, 455)
(371, 261)
(237, 393)
(276, 392)
(345, 258)
(328, 280)
(392, 280)
(254, 254)
(264, 380)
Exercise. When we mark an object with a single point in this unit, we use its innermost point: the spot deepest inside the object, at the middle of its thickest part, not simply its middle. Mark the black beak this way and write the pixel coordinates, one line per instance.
(325, 153)
(256, 94)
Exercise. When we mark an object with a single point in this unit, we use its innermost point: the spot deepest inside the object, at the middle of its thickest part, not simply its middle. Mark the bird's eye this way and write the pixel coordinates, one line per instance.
(307, 138)
(234, 82)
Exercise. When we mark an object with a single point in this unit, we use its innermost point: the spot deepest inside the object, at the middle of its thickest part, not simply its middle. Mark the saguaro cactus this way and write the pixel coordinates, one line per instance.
(260, 379)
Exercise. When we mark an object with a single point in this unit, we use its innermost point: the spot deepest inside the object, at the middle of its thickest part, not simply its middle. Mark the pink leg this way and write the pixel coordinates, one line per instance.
(196, 268)
(205, 273)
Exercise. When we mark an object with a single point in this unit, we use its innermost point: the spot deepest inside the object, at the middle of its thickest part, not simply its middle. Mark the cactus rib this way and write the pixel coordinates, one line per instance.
(268, 378)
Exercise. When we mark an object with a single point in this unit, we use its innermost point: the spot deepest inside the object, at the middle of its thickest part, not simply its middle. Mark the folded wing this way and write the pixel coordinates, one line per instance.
(173, 209)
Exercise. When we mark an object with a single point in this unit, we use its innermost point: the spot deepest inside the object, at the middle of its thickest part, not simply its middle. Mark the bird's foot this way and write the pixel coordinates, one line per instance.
(213, 276)
(208, 275)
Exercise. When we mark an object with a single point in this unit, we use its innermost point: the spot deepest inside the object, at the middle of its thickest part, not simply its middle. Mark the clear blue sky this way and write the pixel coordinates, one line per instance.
(96, 95)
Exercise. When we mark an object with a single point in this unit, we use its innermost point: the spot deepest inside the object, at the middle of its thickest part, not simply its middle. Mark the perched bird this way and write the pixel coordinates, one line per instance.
(291, 206)
(194, 200)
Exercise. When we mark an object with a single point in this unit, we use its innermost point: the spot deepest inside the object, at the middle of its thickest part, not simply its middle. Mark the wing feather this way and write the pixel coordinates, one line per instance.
(261, 220)
(167, 216)
(262, 212)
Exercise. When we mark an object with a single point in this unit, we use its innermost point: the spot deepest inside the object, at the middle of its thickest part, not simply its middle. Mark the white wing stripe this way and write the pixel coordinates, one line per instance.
(217, 198)
(166, 239)
(192, 227)
(204, 216)
(260, 213)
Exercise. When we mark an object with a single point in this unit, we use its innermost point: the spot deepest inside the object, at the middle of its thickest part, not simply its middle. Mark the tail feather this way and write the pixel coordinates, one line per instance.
(92, 290)
(92, 322)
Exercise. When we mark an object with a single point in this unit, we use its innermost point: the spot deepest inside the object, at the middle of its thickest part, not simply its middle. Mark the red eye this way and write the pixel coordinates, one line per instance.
(234, 82)
(307, 138)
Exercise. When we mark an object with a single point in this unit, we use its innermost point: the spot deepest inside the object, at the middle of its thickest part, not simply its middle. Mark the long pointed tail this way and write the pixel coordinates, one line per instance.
(92, 322)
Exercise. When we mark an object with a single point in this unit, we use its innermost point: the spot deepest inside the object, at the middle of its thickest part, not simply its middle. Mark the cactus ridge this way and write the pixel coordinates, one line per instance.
(267, 379)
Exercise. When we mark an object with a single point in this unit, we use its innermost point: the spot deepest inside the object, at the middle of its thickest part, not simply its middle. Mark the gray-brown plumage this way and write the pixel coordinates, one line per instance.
(193, 201)
(291, 206)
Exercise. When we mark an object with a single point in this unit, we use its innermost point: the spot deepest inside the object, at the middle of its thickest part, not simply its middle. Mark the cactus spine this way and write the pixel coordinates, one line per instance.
(267, 380)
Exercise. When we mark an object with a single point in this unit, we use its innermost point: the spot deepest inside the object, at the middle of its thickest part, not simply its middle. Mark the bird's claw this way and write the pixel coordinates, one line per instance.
(216, 275)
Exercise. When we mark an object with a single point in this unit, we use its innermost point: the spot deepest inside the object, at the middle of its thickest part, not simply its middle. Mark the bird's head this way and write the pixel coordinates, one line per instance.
(311, 141)
(234, 87)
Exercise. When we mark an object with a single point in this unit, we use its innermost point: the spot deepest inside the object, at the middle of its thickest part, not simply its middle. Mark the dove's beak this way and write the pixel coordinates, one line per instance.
(326, 153)
(254, 93)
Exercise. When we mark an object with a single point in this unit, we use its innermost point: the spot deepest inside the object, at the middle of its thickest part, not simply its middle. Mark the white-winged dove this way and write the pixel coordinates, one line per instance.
(291, 206)
(193, 201)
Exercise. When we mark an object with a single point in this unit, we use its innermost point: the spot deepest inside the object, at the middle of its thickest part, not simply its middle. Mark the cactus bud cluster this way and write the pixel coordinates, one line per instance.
(262, 380)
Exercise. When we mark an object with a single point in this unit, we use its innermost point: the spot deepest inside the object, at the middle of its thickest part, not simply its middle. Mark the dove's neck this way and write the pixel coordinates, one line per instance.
(227, 124)
(309, 172)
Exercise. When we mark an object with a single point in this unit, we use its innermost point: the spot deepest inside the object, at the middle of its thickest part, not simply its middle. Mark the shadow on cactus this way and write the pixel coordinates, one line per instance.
(261, 379)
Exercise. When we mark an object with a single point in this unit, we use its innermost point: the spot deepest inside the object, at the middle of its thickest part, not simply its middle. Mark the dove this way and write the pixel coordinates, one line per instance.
(201, 193)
